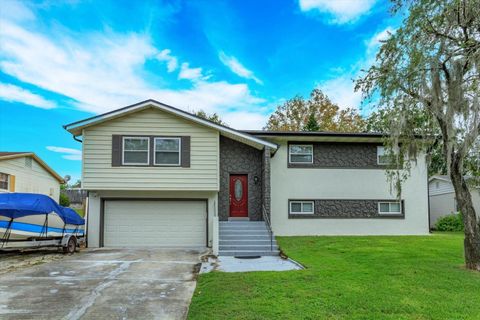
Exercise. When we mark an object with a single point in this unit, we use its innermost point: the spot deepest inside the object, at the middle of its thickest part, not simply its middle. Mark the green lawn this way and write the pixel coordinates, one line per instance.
(350, 278)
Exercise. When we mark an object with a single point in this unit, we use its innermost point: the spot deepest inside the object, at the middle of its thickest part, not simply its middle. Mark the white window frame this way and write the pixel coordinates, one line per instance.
(379, 154)
(8, 182)
(136, 163)
(302, 202)
(389, 207)
(301, 154)
(179, 152)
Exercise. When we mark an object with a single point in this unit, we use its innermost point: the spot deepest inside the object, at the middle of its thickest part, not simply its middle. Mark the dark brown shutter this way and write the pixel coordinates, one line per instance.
(116, 150)
(185, 152)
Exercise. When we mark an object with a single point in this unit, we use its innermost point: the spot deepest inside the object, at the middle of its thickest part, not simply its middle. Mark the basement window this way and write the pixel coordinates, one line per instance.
(301, 207)
(391, 207)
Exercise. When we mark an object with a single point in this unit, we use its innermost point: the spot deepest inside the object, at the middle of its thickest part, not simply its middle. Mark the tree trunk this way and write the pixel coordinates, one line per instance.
(464, 201)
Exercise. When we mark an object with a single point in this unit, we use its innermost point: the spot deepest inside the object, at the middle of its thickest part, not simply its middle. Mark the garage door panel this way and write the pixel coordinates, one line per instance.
(154, 223)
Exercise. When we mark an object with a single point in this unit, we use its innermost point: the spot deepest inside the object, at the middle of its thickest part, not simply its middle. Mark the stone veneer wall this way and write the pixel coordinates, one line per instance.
(239, 158)
(342, 155)
(340, 208)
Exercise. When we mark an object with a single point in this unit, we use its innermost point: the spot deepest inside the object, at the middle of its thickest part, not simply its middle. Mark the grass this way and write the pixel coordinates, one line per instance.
(350, 278)
(80, 212)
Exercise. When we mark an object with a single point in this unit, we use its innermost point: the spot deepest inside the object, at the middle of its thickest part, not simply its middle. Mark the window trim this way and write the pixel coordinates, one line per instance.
(8, 182)
(179, 152)
(135, 163)
(299, 162)
(302, 202)
(389, 205)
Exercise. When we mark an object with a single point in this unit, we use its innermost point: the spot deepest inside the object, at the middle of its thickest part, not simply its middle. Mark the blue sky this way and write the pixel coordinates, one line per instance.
(62, 61)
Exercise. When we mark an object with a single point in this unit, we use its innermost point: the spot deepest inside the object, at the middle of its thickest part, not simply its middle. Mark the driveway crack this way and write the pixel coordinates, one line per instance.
(79, 311)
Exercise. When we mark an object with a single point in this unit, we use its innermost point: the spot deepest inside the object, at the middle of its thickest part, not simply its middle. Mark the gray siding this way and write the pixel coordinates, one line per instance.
(239, 158)
(341, 155)
(342, 208)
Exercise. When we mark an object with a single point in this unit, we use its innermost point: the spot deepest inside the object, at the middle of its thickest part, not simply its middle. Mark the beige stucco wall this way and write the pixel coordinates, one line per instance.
(94, 204)
(294, 183)
(98, 173)
(31, 180)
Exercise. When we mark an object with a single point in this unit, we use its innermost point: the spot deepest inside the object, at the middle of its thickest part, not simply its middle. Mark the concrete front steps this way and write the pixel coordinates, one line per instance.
(245, 238)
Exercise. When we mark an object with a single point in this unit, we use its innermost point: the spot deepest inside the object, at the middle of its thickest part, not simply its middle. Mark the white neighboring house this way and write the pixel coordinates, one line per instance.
(442, 198)
(25, 172)
(159, 176)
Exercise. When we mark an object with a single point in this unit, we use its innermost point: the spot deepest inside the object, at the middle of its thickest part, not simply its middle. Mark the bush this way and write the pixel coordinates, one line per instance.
(452, 222)
(64, 200)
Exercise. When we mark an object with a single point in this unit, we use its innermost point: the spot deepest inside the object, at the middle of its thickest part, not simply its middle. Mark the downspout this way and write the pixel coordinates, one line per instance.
(76, 139)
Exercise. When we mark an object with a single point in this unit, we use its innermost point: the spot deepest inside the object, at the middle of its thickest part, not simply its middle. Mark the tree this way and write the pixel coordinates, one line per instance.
(294, 114)
(312, 124)
(432, 63)
(214, 117)
(383, 120)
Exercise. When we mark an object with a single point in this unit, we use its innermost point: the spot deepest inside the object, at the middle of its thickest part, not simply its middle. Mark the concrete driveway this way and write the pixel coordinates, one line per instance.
(103, 284)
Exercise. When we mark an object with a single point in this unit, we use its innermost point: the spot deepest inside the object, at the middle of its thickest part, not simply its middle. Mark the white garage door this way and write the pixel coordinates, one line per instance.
(154, 223)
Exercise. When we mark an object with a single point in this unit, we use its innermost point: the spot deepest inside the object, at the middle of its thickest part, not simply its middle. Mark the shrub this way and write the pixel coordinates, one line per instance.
(451, 222)
(64, 200)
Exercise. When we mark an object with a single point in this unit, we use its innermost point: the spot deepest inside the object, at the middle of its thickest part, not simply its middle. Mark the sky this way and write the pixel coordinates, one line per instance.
(63, 61)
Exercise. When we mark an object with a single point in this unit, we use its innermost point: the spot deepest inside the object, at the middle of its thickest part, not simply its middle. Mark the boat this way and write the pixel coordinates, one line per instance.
(30, 216)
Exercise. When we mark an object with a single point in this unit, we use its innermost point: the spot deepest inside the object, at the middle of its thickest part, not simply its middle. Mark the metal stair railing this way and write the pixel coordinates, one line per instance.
(269, 226)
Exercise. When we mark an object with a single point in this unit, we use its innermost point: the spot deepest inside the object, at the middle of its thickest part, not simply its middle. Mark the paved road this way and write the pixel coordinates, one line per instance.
(103, 284)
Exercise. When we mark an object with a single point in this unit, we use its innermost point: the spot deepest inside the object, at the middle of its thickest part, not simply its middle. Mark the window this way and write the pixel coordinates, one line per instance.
(136, 150)
(301, 207)
(300, 153)
(382, 157)
(393, 207)
(4, 181)
(167, 151)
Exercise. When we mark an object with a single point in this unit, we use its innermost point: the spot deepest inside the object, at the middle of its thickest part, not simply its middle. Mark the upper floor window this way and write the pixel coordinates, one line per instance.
(300, 153)
(136, 150)
(393, 207)
(382, 156)
(4, 181)
(167, 151)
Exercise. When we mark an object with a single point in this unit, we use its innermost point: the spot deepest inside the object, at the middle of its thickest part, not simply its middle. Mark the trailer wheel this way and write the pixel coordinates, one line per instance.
(71, 246)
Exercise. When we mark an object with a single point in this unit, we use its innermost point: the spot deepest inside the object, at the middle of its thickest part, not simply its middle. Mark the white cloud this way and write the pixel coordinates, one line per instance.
(246, 120)
(236, 67)
(340, 11)
(105, 71)
(68, 153)
(172, 62)
(188, 73)
(11, 93)
(341, 91)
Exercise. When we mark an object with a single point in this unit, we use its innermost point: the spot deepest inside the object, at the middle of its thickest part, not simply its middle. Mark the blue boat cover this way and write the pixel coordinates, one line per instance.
(17, 205)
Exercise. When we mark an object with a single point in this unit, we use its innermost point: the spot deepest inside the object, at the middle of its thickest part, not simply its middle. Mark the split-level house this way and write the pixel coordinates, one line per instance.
(159, 176)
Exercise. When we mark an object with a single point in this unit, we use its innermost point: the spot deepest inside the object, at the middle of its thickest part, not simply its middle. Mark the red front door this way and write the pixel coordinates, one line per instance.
(238, 195)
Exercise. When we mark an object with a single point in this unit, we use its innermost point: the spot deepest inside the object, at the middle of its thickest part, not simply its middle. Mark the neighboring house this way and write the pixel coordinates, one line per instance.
(442, 198)
(159, 176)
(25, 172)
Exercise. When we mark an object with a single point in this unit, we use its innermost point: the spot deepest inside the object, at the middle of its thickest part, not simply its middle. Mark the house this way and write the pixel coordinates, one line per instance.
(159, 176)
(442, 198)
(25, 172)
